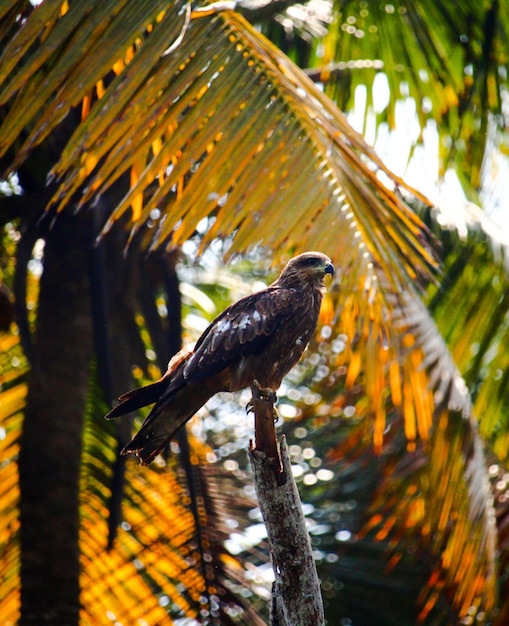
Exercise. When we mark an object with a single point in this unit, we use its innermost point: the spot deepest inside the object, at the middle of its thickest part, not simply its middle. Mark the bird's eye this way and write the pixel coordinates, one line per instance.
(313, 261)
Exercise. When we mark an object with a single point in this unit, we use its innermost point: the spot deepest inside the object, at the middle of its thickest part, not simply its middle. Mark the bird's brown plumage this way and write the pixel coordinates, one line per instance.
(260, 337)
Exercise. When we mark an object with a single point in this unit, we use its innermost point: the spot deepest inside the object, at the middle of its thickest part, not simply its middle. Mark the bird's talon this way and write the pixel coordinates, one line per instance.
(276, 415)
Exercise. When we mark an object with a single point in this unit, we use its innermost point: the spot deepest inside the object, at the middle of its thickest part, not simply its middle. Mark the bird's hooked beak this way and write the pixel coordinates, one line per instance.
(329, 269)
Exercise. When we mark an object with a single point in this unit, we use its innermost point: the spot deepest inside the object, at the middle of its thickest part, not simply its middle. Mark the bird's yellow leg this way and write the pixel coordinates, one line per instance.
(264, 394)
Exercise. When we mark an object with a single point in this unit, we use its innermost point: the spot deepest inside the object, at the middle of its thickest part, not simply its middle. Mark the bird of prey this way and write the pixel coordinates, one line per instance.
(259, 338)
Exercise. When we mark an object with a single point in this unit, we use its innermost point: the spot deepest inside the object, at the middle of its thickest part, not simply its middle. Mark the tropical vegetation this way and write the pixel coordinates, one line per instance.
(159, 159)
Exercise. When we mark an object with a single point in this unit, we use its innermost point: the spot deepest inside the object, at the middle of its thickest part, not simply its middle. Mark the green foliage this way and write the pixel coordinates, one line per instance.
(224, 146)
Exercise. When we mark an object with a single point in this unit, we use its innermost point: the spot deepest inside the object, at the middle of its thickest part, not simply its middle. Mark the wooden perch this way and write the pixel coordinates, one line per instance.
(296, 596)
(262, 404)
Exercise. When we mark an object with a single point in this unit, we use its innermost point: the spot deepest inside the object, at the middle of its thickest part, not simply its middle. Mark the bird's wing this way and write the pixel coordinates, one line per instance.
(242, 329)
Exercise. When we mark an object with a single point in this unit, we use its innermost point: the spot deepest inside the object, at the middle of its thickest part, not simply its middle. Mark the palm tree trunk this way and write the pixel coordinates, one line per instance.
(49, 460)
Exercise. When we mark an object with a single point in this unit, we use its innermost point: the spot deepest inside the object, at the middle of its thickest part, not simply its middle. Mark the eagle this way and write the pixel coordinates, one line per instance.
(256, 340)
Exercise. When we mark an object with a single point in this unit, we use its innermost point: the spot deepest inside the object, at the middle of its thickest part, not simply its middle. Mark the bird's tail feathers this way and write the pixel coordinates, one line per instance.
(147, 445)
(160, 427)
(136, 398)
(172, 411)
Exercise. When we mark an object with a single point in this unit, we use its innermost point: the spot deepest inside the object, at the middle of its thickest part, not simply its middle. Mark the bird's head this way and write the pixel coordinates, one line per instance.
(309, 266)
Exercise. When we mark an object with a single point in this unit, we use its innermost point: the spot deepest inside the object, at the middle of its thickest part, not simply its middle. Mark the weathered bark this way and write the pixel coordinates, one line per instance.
(49, 460)
(296, 599)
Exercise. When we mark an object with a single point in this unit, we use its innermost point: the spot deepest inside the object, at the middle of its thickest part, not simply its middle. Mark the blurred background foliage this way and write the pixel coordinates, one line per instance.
(223, 149)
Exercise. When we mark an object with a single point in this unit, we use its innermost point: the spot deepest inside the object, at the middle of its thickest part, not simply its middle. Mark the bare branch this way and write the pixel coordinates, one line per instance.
(297, 599)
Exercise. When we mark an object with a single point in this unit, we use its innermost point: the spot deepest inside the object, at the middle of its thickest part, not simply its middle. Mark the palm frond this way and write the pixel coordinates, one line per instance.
(473, 297)
(13, 391)
(455, 503)
(226, 128)
(275, 120)
(449, 60)
(157, 569)
(425, 501)
(233, 130)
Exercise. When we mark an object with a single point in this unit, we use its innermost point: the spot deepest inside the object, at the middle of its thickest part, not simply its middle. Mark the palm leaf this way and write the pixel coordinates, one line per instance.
(425, 502)
(474, 298)
(447, 58)
(157, 569)
(13, 391)
(234, 132)
(212, 57)
(456, 494)
(225, 111)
